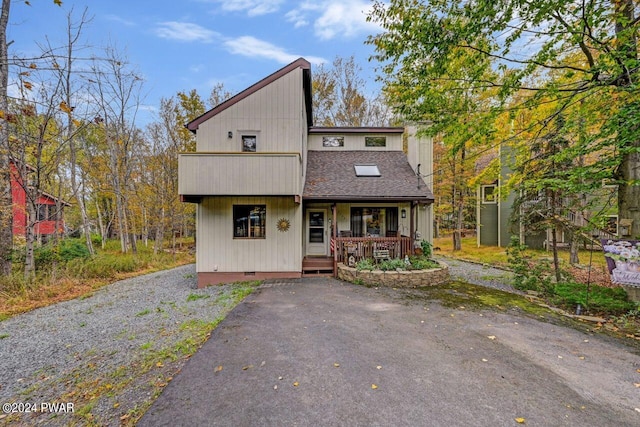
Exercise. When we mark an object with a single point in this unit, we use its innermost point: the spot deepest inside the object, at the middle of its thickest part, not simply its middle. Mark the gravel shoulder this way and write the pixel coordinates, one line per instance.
(479, 274)
(108, 353)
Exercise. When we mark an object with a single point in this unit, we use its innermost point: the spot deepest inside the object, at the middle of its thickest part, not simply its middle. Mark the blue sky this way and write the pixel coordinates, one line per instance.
(195, 44)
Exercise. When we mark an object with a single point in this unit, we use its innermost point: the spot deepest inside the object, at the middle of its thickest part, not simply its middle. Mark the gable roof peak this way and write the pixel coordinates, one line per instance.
(298, 63)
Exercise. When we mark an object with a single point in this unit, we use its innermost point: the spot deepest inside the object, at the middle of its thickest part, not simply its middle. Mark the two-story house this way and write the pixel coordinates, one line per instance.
(277, 197)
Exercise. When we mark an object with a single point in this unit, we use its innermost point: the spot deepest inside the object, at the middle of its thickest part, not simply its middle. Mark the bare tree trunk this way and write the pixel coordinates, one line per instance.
(157, 246)
(554, 238)
(29, 260)
(629, 194)
(73, 33)
(6, 201)
(103, 231)
(458, 201)
(574, 246)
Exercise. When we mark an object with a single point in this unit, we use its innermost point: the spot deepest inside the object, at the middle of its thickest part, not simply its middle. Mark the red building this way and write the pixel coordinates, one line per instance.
(45, 208)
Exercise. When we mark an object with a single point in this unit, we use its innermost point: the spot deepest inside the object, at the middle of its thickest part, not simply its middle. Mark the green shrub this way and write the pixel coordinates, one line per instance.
(66, 250)
(528, 275)
(45, 255)
(417, 263)
(96, 239)
(366, 264)
(392, 265)
(421, 263)
(427, 249)
(72, 249)
(612, 301)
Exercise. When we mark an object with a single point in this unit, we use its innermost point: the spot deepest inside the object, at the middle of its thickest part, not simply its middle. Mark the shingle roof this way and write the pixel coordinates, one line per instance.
(331, 176)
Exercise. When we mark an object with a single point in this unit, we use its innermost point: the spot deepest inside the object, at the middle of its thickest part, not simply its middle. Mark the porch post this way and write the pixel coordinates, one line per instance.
(412, 226)
(334, 234)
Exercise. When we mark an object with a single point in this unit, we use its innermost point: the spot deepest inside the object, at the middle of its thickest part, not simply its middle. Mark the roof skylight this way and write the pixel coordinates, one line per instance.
(367, 170)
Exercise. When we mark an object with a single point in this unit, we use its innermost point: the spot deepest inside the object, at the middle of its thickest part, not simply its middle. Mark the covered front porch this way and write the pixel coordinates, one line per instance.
(363, 204)
(344, 232)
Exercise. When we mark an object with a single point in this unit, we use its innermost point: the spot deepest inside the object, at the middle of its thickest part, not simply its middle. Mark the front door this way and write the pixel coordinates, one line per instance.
(317, 232)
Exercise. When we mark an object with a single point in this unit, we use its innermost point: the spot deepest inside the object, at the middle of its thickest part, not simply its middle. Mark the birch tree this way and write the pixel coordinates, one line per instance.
(116, 91)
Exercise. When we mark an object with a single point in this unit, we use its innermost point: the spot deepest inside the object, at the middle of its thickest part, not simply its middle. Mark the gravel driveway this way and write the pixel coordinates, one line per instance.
(107, 353)
(479, 274)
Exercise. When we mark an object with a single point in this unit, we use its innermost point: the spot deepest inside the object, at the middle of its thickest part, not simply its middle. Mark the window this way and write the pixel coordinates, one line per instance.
(375, 141)
(374, 222)
(489, 193)
(333, 141)
(611, 224)
(367, 170)
(249, 221)
(43, 213)
(249, 143)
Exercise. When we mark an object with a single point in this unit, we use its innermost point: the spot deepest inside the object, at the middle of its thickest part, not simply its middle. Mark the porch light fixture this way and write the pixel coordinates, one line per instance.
(403, 213)
(230, 135)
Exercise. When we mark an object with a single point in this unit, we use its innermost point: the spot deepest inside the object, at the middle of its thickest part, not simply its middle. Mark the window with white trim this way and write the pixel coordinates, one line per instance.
(489, 194)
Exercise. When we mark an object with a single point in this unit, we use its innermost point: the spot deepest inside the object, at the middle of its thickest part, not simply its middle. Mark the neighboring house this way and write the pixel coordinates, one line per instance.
(277, 197)
(495, 217)
(46, 209)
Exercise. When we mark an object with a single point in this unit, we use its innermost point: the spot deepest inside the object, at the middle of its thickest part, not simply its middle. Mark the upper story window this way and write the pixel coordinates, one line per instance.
(489, 193)
(375, 141)
(249, 143)
(333, 141)
(367, 170)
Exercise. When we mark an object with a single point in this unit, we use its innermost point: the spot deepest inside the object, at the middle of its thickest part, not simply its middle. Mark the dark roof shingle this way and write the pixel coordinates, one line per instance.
(331, 176)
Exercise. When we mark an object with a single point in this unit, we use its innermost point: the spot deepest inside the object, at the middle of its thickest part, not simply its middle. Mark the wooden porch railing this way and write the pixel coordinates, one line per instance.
(364, 247)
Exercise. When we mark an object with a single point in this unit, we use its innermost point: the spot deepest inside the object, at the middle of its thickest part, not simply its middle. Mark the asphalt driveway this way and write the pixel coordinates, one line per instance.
(319, 352)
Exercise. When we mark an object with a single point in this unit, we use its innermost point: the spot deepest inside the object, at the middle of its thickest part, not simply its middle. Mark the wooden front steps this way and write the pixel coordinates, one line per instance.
(317, 265)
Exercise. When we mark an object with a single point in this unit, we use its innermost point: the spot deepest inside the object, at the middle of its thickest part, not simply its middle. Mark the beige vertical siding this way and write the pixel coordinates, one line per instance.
(217, 250)
(273, 113)
(420, 152)
(204, 174)
(355, 142)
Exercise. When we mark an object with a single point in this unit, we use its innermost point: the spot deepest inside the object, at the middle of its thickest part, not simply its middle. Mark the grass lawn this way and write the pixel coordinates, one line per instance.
(494, 255)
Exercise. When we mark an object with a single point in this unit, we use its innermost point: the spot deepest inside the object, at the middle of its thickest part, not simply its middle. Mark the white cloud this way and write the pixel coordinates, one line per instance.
(297, 17)
(252, 47)
(334, 18)
(252, 7)
(120, 20)
(185, 31)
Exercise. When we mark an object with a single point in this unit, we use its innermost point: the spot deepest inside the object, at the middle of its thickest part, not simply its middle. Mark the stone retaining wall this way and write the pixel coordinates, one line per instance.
(396, 279)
